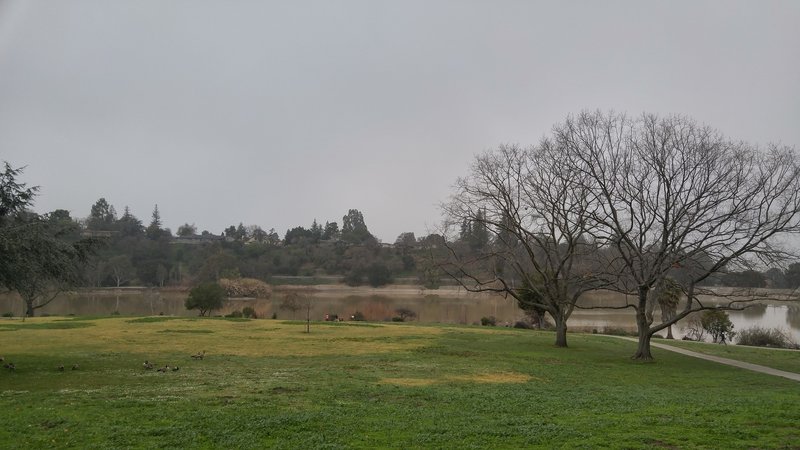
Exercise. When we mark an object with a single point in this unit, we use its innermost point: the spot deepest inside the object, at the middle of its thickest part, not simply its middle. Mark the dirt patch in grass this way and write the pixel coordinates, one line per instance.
(409, 382)
(200, 331)
(154, 319)
(498, 377)
(494, 378)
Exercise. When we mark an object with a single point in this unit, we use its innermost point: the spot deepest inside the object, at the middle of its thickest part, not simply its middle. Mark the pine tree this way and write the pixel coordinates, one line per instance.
(154, 230)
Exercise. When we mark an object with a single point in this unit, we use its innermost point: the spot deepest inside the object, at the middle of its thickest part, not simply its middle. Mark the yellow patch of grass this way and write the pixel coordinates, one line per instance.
(409, 382)
(253, 338)
(498, 377)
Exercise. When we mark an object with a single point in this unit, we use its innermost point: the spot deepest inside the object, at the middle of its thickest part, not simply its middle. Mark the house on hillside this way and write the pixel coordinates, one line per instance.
(97, 233)
(197, 239)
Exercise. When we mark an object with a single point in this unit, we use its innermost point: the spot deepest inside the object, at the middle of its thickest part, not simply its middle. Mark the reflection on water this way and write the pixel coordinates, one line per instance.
(793, 316)
(755, 312)
(444, 306)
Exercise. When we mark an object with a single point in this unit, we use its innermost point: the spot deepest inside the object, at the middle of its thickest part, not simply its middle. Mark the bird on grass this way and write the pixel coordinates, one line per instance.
(147, 365)
(199, 355)
(176, 368)
(75, 367)
(61, 368)
(10, 366)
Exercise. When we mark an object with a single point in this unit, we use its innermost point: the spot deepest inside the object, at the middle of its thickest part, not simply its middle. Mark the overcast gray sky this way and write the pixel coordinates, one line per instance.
(276, 113)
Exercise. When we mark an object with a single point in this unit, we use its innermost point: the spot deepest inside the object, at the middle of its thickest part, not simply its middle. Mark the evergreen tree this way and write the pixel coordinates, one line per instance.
(479, 234)
(39, 255)
(331, 231)
(154, 230)
(354, 229)
(316, 231)
(465, 232)
(129, 225)
(241, 232)
(102, 216)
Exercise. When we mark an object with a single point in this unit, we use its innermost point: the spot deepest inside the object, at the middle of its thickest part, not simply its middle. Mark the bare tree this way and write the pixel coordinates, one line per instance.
(675, 199)
(534, 209)
(121, 270)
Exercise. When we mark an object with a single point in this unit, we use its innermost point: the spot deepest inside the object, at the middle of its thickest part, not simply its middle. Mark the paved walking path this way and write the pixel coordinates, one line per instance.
(730, 362)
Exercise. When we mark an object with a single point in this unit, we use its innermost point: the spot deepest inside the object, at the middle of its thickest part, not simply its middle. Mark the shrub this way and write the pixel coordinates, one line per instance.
(717, 323)
(403, 314)
(234, 314)
(766, 337)
(249, 312)
(488, 321)
(245, 287)
(616, 331)
(205, 297)
(522, 324)
(358, 316)
(693, 331)
(8, 314)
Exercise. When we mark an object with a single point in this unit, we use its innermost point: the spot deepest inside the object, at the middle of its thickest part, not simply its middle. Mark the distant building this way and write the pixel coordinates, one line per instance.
(197, 239)
(97, 233)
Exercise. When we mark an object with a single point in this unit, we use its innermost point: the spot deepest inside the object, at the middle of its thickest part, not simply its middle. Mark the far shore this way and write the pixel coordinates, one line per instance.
(332, 290)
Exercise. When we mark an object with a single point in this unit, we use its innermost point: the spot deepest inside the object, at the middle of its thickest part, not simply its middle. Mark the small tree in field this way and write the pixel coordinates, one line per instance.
(206, 297)
(718, 325)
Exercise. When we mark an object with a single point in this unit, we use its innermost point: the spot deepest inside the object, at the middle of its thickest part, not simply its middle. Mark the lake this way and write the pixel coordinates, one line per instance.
(446, 305)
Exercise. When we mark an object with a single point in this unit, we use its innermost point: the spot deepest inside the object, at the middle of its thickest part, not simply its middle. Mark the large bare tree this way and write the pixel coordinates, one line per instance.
(535, 212)
(673, 199)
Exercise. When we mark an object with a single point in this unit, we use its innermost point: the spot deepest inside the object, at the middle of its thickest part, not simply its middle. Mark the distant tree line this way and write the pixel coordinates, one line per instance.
(135, 254)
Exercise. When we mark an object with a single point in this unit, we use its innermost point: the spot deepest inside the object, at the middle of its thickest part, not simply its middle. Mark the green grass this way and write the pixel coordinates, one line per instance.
(266, 383)
(788, 360)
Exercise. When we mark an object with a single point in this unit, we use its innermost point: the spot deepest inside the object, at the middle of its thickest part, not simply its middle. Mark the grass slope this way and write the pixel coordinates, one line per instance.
(267, 383)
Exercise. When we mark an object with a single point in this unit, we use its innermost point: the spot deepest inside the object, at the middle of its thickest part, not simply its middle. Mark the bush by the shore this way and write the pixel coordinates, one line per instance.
(766, 337)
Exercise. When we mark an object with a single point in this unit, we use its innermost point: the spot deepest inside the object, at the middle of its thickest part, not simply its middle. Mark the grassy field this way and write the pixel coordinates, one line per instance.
(266, 383)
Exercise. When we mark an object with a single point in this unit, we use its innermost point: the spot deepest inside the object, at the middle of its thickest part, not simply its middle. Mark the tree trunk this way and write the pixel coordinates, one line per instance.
(561, 331)
(669, 332)
(29, 309)
(643, 327)
(643, 350)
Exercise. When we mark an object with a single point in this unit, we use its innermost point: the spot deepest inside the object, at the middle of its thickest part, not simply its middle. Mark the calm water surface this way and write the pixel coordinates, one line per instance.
(443, 306)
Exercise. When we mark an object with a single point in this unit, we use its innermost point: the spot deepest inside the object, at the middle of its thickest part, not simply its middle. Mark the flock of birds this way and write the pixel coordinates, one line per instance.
(9, 365)
(147, 364)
